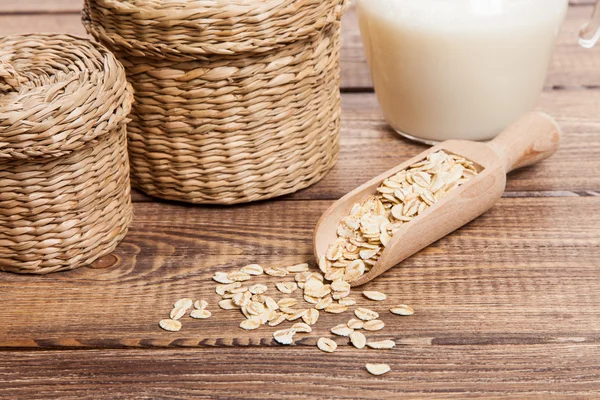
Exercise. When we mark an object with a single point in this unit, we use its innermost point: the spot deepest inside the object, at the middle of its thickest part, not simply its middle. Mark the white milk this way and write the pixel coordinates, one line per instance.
(458, 69)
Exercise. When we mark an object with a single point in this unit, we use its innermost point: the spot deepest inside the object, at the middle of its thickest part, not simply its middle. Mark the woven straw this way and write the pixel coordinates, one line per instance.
(236, 101)
(64, 172)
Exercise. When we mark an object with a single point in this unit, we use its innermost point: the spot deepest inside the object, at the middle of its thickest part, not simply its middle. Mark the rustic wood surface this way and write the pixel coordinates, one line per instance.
(508, 306)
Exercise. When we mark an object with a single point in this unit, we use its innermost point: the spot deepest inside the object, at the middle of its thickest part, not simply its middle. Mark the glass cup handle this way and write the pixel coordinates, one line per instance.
(590, 33)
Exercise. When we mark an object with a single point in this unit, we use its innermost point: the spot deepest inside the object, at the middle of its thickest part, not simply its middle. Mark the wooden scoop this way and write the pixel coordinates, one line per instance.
(533, 138)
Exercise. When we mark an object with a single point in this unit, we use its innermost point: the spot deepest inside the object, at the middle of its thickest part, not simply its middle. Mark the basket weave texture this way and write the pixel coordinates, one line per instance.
(64, 172)
(236, 101)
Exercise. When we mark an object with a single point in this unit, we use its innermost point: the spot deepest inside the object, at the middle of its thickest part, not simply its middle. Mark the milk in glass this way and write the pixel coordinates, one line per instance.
(458, 69)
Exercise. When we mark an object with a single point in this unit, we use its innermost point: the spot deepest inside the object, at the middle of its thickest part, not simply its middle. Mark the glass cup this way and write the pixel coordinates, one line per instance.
(458, 69)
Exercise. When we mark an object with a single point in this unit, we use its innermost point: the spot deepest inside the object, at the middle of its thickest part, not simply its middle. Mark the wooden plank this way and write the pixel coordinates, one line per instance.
(45, 23)
(557, 370)
(37, 6)
(31, 6)
(572, 170)
(506, 307)
(572, 66)
(364, 132)
(40, 6)
(525, 272)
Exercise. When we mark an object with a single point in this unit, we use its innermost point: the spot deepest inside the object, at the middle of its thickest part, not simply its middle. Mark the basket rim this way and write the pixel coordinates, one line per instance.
(207, 27)
(171, 10)
(56, 108)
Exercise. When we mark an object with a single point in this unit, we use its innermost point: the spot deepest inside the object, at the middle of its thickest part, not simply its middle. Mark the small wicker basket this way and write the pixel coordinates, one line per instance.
(236, 101)
(64, 173)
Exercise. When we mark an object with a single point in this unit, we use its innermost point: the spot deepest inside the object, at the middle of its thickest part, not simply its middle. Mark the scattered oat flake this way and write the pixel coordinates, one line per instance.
(301, 327)
(221, 277)
(340, 286)
(321, 292)
(317, 275)
(297, 268)
(238, 276)
(340, 295)
(378, 369)
(323, 303)
(335, 308)
(301, 277)
(347, 301)
(222, 289)
(297, 315)
(276, 271)
(311, 316)
(270, 303)
(311, 299)
(373, 325)
(177, 313)
(200, 314)
(239, 299)
(279, 318)
(312, 286)
(170, 325)
(286, 287)
(184, 303)
(382, 344)
(358, 339)
(365, 314)
(402, 309)
(284, 336)
(373, 295)
(252, 269)
(255, 308)
(287, 310)
(287, 302)
(267, 316)
(258, 298)
(257, 289)
(342, 330)
(250, 324)
(200, 304)
(355, 324)
(326, 345)
(227, 304)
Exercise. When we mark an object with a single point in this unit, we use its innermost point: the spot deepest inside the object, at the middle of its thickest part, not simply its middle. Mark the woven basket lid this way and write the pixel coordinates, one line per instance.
(57, 93)
(186, 28)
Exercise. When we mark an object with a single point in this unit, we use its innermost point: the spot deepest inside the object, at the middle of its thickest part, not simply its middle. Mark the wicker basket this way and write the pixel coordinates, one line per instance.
(64, 173)
(236, 101)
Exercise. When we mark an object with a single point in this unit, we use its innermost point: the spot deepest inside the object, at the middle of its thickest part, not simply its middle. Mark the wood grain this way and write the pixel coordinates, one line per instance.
(572, 66)
(41, 23)
(37, 6)
(508, 306)
(573, 170)
(40, 6)
(364, 132)
(526, 269)
(558, 370)
(74, 6)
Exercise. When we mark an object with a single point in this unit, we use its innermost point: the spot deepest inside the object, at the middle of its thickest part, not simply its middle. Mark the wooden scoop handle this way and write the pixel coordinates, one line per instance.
(533, 138)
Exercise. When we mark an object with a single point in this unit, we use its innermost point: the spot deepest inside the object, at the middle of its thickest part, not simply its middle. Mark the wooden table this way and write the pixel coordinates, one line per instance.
(507, 306)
